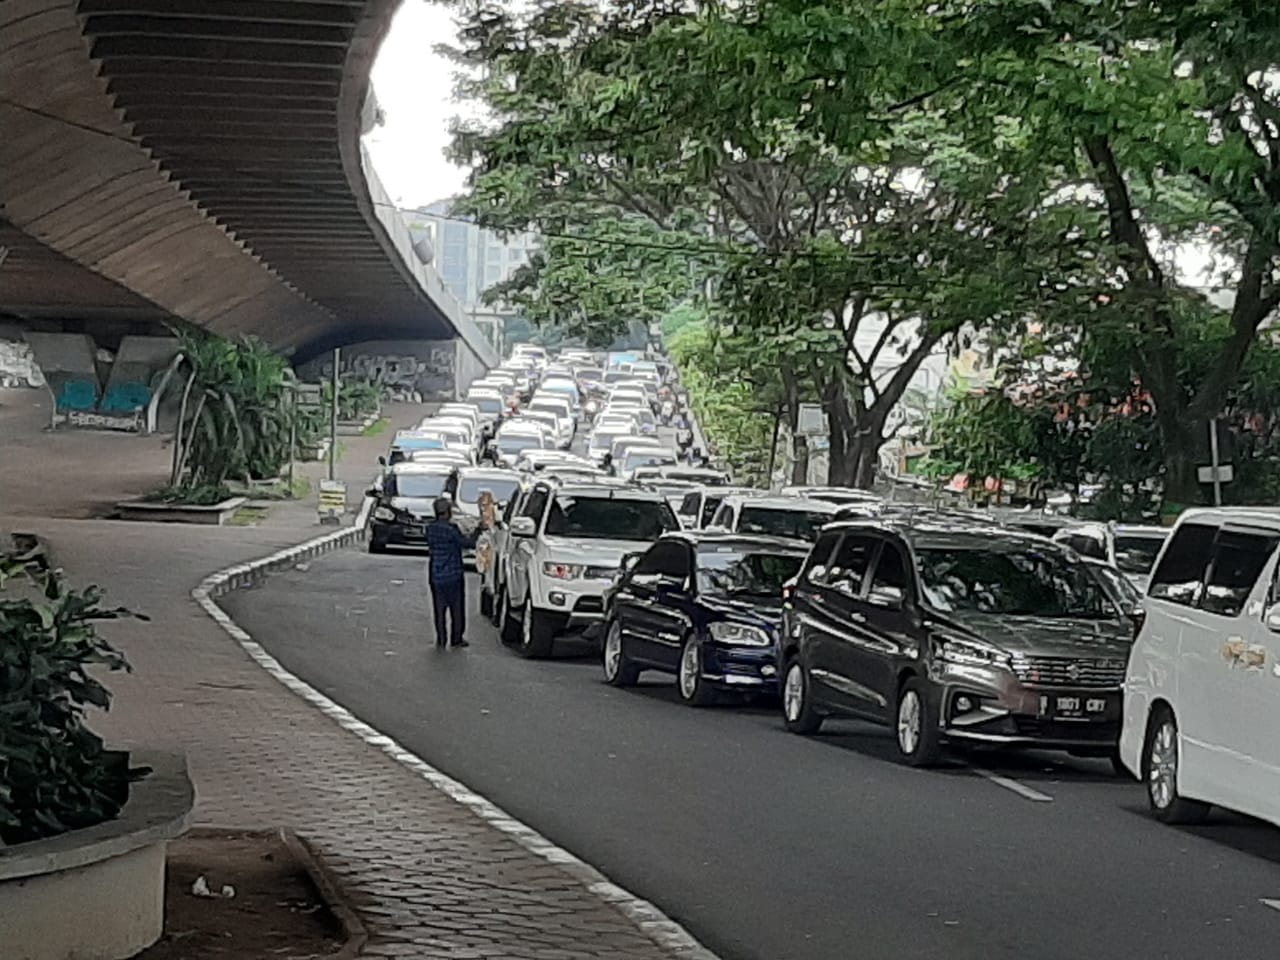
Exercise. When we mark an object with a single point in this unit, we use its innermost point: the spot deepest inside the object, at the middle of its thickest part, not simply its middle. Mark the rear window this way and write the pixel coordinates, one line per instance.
(1180, 576)
(601, 518)
(796, 524)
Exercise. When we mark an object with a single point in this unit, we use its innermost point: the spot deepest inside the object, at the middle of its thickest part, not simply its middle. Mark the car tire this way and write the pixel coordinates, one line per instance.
(508, 626)
(536, 635)
(619, 670)
(377, 544)
(915, 726)
(694, 689)
(1160, 759)
(798, 712)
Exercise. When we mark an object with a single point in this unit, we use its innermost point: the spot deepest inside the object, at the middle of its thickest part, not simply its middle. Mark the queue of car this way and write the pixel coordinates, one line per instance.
(1155, 648)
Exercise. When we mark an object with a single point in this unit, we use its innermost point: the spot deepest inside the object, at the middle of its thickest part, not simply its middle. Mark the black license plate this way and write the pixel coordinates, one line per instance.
(1077, 706)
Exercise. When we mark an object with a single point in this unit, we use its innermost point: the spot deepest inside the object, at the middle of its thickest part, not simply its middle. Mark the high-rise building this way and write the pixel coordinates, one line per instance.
(470, 260)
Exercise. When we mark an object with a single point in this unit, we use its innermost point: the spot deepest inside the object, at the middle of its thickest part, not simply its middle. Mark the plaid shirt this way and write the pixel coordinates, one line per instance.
(446, 543)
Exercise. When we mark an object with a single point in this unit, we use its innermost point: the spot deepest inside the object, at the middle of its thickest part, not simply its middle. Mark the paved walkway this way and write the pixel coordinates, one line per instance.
(428, 876)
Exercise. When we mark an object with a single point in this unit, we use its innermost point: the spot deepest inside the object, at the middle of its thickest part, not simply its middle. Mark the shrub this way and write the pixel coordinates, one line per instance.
(55, 774)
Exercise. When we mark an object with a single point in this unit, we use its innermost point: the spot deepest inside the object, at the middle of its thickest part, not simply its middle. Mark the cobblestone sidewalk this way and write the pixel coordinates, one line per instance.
(428, 876)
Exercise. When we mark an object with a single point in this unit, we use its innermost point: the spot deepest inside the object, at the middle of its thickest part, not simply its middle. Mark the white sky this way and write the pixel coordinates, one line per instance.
(414, 86)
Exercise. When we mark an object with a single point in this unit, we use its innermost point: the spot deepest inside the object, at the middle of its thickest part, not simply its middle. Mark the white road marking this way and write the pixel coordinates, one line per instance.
(652, 922)
(1273, 904)
(1021, 789)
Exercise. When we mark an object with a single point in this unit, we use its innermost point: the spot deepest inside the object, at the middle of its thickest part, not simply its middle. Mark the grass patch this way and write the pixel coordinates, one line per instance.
(248, 516)
(377, 427)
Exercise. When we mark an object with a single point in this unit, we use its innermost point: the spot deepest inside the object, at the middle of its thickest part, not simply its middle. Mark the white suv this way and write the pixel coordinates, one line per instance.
(1200, 718)
(563, 549)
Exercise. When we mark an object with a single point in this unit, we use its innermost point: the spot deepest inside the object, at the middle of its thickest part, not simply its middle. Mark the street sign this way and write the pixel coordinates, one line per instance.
(1226, 473)
(333, 501)
(811, 421)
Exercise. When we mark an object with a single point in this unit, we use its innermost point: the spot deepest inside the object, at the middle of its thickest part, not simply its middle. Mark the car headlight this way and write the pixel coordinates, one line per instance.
(384, 513)
(972, 653)
(739, 634)
(562, 571)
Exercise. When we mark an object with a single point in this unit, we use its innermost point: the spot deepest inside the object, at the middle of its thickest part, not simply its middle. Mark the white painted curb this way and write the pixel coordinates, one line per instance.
(652, 922)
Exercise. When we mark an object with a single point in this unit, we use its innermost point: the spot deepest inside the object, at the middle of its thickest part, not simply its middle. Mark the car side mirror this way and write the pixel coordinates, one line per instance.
(524, 527)
(1273, 619)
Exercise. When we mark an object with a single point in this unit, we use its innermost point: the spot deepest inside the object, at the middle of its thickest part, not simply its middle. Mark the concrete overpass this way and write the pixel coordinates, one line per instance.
(201, 160)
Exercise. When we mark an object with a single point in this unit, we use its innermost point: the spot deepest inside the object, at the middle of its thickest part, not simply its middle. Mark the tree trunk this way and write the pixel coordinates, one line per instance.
(1186, 447)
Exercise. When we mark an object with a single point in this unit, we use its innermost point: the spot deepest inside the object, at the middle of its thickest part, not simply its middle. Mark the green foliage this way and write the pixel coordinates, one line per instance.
(205, 496)
(358, 397)
(238, 416)
(55, 774)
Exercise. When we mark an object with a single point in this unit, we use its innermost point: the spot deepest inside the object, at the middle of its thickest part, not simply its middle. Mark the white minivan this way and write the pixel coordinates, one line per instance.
(1201, 717)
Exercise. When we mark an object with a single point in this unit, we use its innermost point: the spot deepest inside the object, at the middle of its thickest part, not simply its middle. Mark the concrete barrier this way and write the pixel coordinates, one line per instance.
(97, 893)
(68, 363)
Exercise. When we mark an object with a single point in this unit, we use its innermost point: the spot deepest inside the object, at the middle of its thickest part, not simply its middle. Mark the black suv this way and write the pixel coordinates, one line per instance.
(953, 631)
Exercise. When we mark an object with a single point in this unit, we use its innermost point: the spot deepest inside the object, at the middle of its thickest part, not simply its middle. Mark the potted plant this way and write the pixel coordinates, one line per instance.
(56, 775)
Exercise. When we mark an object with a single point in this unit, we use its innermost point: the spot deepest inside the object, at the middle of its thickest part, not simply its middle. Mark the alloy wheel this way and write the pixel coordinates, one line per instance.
(793, 693)
(612, 652)
(1162, 767)
(909, 722)
(690, 665)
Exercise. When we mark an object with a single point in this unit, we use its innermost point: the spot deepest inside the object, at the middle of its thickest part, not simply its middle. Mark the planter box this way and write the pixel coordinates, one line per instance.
(215, 514)
(97, 893)
(354, 428)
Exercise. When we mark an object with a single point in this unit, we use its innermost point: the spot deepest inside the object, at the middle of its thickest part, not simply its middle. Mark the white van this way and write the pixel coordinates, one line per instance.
(1201, 724)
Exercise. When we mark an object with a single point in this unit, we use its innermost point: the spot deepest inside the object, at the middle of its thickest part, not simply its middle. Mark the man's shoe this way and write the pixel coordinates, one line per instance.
(461, 643)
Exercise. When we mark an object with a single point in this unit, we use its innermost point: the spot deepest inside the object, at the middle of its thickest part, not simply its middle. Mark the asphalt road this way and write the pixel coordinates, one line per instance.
(766, 845)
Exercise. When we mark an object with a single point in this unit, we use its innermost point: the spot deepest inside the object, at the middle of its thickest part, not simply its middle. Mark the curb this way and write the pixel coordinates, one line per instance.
(668, 935)
(357, 934)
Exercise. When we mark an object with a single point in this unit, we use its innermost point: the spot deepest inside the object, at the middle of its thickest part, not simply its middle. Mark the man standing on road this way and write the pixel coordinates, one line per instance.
(445, 575)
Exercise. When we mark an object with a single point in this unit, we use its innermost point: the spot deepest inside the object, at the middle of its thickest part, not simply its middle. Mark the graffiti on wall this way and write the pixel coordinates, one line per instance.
(404, 368)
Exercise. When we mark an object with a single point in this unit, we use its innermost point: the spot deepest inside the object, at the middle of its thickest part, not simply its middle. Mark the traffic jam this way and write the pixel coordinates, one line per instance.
(604, 527)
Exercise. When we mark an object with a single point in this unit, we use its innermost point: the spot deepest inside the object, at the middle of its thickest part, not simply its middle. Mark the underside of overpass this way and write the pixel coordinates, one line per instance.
(201, 160)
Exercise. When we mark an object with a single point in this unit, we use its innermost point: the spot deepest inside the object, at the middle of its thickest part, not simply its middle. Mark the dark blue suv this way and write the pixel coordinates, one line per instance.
(704, 606)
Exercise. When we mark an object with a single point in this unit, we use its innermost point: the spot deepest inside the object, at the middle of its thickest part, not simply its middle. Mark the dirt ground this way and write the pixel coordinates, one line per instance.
(276, 911)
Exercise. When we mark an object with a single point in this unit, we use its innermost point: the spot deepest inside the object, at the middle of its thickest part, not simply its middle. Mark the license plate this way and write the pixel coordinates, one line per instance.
(1075, 706)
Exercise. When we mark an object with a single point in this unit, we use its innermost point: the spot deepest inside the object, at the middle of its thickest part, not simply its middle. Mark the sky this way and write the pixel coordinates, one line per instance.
(414, 86)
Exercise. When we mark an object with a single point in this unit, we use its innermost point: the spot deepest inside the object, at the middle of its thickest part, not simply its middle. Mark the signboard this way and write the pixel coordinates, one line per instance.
(811, 421)
(1226, 473)
(333, 501)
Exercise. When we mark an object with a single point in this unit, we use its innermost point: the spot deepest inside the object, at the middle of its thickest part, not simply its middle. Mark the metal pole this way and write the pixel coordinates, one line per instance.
(1213, 460)
(293, 434)
(333, 414)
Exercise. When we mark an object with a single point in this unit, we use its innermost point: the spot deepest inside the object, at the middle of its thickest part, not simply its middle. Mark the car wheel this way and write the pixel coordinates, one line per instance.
(916, 724)
(694, 690)
(508, 629)
(535, 633)
(797, 705)
(377, 544)
(619, 671)
(1160, 760)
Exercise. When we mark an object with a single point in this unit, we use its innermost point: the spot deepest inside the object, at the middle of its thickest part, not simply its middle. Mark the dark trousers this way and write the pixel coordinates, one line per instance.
(449, 598)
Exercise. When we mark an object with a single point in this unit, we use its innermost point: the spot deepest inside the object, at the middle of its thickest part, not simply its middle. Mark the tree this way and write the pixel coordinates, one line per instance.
(819, 217)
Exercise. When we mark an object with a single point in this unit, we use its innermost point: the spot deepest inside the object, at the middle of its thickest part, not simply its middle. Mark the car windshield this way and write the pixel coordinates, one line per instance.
(501, 487)
(518, 442)
(418, 484)
(604, 441)
(1137, 553)
(1119, 586)
(731, 572)
(593, 374)
(796, 524)
(488, 404)
(602, 518)
(1023, 581)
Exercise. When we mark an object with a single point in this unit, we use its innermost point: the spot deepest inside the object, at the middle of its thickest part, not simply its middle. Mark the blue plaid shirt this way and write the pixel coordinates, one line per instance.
(446, 543)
